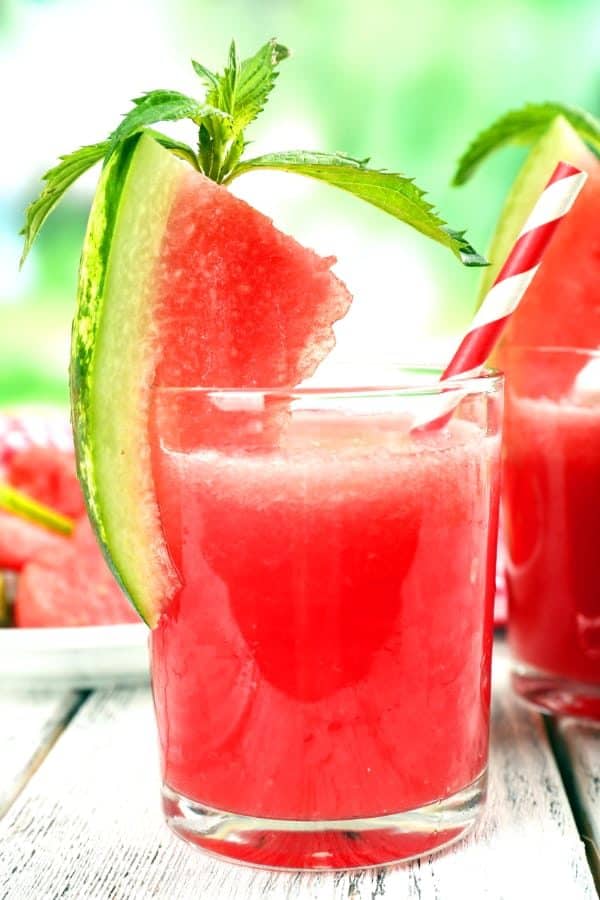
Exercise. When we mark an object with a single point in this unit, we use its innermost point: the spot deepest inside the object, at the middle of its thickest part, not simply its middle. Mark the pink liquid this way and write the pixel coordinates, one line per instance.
(328, 655)
(552, 494)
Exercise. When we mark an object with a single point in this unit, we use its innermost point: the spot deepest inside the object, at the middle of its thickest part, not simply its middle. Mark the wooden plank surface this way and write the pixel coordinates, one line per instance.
(88, 825)
(579, 752)
(29, 723)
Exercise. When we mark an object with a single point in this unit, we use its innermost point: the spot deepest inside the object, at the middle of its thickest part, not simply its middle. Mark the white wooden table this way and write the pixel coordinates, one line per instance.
(79, 789)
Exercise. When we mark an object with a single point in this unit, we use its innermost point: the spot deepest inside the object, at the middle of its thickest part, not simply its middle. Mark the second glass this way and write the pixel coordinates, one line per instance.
(551, 500)
(322, 679)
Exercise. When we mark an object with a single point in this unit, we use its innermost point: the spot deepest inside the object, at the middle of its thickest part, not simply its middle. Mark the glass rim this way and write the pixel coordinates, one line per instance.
(488, 381)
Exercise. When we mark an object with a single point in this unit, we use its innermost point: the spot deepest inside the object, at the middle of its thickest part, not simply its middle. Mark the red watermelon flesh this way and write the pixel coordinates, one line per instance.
(22, 541)
(70, 585)
(47, 475)
(240, 304)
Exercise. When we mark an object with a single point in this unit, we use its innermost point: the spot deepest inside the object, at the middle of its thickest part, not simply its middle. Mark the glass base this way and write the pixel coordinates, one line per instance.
(333, 844)
(553, 694)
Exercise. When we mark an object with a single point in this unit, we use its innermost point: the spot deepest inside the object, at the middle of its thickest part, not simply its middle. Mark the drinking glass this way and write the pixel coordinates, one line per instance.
(322, 678)
(551, 502)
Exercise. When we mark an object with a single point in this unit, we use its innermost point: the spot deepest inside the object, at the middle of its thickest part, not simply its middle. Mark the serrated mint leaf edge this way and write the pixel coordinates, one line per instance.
(396, 194)
(57, 180)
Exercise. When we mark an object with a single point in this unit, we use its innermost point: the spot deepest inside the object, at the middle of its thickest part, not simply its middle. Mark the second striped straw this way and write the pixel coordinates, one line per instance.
(511, 283)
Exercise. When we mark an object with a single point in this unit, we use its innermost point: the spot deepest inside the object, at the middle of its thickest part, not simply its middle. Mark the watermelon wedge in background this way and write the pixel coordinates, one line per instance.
(60, 580)
(47, 474)
(21, 541)
(36, 457)
(70, 585)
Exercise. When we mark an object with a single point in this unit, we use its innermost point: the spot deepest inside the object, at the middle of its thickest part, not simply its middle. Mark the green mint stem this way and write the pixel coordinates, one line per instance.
(21, 505)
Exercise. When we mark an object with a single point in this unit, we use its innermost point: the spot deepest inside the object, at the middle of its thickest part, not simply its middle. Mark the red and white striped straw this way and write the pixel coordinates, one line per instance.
(505, 294)
(518, 271)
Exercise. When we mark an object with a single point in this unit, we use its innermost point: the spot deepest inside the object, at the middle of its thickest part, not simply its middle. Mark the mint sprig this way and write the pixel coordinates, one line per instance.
(391, 192)
(524, 126)
(233, 100)
(241, 91)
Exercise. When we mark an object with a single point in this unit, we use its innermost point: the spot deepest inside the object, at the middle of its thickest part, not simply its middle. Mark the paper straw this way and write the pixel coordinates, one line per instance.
(512, 281)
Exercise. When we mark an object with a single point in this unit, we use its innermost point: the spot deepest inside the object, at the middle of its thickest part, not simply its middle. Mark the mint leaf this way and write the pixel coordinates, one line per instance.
(256, 79)
(243, 88)
(58, 180)
(241, 91)
(161, 106)
(523, 126)
(223, 97)
(389, 191)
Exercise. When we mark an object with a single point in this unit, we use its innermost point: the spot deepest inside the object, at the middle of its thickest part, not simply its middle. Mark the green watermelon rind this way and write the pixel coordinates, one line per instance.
(112, 365)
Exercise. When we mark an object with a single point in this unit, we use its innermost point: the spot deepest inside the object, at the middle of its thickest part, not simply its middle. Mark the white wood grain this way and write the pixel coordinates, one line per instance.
(88, 826)
(581, 752)
(29, 722)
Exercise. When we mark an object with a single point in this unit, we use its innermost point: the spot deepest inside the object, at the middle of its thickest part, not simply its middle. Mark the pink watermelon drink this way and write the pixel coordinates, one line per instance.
(300, 557)
(341, 674)
(552, 503)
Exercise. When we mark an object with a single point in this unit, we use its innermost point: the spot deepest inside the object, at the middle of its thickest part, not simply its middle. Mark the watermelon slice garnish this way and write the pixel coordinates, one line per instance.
(182, 284)
(218, 258)
(178, 317)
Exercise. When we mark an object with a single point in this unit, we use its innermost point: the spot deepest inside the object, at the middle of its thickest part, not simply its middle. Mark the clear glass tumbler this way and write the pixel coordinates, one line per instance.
(322, 679)
(551, 502)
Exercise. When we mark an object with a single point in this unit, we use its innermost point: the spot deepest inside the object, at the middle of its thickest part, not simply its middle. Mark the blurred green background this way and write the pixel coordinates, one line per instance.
(406, 84)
